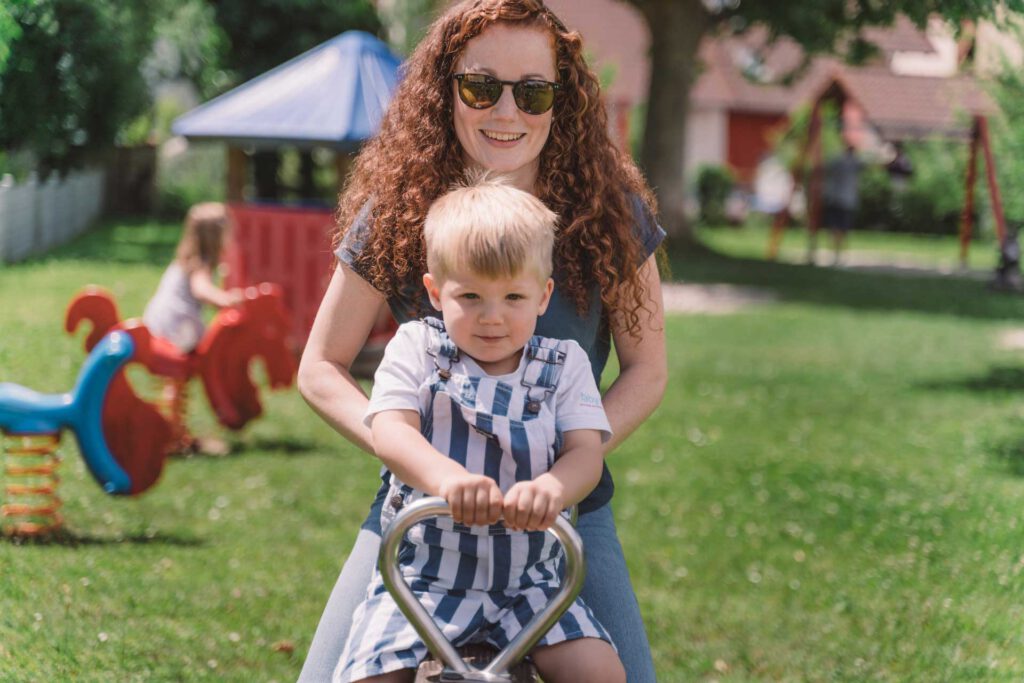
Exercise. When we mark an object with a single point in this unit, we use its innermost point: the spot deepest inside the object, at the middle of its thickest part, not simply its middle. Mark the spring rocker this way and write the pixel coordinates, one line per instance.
(475, 663)
(257, 328)
(123, 440)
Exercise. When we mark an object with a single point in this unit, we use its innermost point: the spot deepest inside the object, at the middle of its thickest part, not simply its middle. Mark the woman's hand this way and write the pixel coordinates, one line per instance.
(534, 505)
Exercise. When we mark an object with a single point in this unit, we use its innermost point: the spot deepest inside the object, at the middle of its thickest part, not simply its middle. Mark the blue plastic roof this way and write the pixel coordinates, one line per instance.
(333, 96)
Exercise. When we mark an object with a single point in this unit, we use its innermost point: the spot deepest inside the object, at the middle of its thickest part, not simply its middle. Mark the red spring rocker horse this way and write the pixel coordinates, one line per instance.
(257, 328)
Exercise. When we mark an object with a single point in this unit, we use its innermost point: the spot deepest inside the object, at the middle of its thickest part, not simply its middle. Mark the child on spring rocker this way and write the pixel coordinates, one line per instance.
(498, 422)
(175, 312)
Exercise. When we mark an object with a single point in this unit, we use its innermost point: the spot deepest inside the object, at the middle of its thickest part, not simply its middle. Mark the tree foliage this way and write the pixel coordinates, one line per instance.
(71, 76)
(822, 26)
(262, 34)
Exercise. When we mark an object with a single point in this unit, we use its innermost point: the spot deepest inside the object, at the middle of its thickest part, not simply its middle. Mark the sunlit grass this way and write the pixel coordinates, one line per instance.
(915, 250)
(831, 490)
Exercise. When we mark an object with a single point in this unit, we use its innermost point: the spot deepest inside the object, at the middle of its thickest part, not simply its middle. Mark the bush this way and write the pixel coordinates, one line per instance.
(186, 177)
(876, 199)
(714, 183)
(933, 198)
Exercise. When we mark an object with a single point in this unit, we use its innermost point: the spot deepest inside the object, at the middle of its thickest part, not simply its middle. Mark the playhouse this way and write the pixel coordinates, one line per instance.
(332, 97)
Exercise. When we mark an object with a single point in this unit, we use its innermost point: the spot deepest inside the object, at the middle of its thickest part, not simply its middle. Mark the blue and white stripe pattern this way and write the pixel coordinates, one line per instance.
(481, 584)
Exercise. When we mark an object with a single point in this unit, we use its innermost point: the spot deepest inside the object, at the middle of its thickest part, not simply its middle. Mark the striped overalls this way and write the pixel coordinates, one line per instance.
(481, 584)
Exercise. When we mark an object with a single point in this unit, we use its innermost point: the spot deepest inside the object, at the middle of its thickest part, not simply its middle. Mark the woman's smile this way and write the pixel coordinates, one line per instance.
(502, 139)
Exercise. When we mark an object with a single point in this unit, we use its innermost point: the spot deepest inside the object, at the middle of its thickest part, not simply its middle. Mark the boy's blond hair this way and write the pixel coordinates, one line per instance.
(489, 228)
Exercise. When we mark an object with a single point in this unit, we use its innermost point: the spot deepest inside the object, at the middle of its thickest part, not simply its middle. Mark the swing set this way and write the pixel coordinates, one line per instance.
(809, 167)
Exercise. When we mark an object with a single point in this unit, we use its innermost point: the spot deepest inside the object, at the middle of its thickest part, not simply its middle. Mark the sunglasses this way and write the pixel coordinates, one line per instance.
(480, 91)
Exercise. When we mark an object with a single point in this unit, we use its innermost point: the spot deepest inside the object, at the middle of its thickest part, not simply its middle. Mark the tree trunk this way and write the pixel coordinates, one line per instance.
(677, 27)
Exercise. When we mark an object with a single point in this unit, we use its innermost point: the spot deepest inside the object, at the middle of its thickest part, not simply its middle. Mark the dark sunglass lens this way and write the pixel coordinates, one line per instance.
(479, 91)
(534, 97)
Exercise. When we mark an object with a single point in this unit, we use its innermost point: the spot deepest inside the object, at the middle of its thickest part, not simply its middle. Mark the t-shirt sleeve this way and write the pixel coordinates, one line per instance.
(646, 227)
(406, 364)
(352, 243)
(577, 399)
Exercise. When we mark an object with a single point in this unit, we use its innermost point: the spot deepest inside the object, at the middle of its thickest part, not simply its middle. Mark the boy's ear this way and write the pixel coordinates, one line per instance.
(433, 290)
(549, 287)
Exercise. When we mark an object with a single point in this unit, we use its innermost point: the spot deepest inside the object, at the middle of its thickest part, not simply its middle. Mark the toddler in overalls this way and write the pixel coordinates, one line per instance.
(499, 422)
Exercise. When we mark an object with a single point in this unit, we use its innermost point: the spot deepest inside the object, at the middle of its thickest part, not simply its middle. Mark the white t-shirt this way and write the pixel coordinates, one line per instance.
(402, 381)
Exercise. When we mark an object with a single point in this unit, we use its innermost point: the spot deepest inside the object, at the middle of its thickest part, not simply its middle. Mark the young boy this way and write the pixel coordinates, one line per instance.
(498, 422)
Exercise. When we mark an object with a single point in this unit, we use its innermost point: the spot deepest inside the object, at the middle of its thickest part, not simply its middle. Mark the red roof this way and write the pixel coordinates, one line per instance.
(723, 83)
(914, 106)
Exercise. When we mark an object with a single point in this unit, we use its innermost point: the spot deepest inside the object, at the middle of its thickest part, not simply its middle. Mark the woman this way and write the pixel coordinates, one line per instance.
(499, 85)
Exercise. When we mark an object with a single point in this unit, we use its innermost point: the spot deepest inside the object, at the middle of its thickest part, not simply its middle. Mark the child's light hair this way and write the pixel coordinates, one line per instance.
(489, 228)
(203, 237)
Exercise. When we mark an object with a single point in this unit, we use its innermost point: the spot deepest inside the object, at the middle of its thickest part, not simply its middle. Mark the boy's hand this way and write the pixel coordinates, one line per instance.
(533, 505)
(473, 498)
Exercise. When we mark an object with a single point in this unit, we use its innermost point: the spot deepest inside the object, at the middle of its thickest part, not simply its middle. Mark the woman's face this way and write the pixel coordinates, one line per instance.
(503, 138)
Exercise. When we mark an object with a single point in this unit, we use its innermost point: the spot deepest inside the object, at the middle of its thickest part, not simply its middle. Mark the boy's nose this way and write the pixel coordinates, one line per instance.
(490, 314)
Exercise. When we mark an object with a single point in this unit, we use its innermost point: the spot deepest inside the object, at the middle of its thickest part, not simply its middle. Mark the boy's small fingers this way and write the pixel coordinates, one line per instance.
(494, 508)
(512, 513)
(538, 512)
(469, 506)
(455, 505)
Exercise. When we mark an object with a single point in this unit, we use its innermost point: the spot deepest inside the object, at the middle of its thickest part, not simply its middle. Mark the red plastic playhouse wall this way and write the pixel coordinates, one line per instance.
(288, 246)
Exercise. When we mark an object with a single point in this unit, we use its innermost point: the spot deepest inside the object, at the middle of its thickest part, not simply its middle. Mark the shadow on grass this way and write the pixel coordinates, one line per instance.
(285, 445)
(1010, 455)
(123, 241)
(998, 379)
(72, 539)
(832, 287)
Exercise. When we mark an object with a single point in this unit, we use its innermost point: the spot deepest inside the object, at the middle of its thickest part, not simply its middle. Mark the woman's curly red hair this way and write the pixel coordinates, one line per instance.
(416, 158)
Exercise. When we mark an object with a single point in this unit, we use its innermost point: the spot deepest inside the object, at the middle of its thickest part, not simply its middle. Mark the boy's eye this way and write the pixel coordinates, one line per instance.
(469, 295)
(514, 297)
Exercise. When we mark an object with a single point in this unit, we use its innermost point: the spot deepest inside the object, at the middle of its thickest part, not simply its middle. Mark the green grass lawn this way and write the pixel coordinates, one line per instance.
(831, 491)
(929, 251)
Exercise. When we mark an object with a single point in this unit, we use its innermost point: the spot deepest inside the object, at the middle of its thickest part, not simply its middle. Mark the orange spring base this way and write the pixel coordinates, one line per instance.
(31, 506)
(173, 404)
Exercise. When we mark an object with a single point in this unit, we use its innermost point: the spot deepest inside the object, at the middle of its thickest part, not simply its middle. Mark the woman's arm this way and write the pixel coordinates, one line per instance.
(643, 370)
(344, 321)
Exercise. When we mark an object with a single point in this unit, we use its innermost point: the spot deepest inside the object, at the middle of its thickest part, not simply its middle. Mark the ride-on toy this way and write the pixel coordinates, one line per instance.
(257, 328)
(506, 666)
(123, 440)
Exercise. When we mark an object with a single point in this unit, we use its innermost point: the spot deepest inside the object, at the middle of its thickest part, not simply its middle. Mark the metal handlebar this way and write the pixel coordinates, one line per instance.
(441, 647)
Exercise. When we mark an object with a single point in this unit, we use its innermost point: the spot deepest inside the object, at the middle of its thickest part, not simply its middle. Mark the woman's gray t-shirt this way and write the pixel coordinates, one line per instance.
(560, 321)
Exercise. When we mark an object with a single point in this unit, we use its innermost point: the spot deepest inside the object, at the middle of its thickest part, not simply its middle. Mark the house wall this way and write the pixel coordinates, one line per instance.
(943, 63)
(996, 49)
(749, 140)
(706, 139)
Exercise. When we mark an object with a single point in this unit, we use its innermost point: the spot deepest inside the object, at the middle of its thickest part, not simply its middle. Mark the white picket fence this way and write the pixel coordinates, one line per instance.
(37, 216)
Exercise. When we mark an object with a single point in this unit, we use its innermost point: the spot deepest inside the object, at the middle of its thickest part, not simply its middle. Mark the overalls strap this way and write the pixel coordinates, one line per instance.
(545, 360)
(441, 348)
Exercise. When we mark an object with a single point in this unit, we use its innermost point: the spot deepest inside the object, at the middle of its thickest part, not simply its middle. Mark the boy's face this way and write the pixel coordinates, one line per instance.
(490, 319)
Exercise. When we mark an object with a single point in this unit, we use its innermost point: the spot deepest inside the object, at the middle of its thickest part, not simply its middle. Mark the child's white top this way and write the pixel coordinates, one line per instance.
(174, 313)
(402, 381)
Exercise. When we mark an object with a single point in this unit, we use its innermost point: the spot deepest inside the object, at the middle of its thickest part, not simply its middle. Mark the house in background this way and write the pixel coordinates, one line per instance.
(916, 86)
